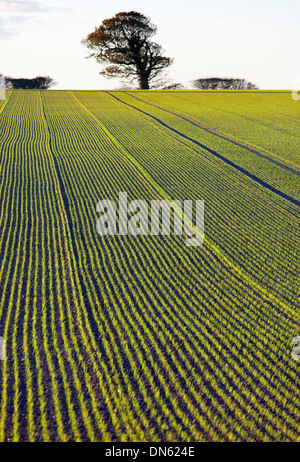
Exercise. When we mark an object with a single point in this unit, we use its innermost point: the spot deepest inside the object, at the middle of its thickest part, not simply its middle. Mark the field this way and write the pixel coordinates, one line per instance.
(141, 338)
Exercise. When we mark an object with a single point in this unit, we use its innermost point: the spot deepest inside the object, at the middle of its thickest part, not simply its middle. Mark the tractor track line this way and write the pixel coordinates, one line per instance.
(215, 153)
(222, 136)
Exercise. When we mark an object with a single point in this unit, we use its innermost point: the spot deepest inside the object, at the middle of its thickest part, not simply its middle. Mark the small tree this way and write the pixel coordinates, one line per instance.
(37, 83)
(124, 42)
(174, 86)
(216, 83)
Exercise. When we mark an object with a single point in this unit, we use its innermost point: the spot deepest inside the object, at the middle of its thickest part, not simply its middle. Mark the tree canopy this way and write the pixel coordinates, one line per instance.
(124, 43)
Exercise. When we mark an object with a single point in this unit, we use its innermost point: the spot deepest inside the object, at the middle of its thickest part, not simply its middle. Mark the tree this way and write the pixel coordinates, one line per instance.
(216, 83)
(37, 83)
(173, 86)
(124, 42)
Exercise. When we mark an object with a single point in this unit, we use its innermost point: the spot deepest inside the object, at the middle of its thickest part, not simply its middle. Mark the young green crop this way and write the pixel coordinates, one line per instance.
(140, 338)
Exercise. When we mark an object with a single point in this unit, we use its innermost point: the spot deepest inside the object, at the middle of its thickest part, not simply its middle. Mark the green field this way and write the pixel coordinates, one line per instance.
(141, 338)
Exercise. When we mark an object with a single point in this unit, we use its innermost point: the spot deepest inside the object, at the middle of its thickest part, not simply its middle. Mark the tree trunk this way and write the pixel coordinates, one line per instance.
(144, 84)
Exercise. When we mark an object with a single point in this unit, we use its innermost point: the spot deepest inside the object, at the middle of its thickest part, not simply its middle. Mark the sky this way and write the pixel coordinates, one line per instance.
(258, 40)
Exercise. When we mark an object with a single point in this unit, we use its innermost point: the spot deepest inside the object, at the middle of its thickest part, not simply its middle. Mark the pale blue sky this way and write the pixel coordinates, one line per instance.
(257, 40)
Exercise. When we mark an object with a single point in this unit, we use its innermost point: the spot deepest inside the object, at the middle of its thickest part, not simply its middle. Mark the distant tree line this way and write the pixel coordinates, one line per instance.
(216, 83)
(37, 83)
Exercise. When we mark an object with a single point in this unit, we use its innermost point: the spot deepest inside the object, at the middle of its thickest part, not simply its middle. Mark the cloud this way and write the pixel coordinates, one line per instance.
(9, 27)
(20, 7)
(4, 30)
(27, 7)
(13, 25)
